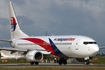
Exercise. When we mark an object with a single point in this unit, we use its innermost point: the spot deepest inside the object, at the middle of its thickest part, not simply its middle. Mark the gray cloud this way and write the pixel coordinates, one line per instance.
(4, 28)
(18, 2)
(81, 17)
(25, 20)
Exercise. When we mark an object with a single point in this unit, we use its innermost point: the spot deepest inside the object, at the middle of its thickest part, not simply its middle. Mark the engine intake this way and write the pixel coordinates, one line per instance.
(34, 56)
(38, 56)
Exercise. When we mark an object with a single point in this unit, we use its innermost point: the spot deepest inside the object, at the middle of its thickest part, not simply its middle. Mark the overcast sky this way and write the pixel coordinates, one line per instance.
(57, 17)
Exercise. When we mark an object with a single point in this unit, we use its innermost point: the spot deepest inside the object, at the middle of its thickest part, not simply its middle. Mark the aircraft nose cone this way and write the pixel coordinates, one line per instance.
(95, 50)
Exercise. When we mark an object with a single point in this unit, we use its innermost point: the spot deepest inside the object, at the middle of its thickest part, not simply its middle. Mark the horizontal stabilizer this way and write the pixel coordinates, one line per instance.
(6, 40)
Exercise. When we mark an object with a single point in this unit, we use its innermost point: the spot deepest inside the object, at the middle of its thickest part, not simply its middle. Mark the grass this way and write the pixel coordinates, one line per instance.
(13, 61)
(99, 60)
(47, 68)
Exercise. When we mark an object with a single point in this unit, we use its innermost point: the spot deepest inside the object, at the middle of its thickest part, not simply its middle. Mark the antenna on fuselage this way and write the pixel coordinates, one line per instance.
(46, 33)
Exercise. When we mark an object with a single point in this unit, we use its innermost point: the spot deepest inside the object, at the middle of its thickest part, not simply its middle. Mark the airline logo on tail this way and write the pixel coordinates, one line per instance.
(13, 23)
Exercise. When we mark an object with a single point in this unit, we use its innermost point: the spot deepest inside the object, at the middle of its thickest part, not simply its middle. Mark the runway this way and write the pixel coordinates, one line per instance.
(52, 65)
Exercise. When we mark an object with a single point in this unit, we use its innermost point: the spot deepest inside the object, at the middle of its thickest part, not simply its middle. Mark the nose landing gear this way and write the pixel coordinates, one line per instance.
(87, 62)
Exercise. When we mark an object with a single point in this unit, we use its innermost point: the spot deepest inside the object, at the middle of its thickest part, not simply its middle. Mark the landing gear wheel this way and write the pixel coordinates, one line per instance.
(62, 61)
(36, 63)
(32, 63)
(87, 62)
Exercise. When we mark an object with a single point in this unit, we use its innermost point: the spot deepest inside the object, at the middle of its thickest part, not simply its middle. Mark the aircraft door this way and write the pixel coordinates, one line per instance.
(77, 45)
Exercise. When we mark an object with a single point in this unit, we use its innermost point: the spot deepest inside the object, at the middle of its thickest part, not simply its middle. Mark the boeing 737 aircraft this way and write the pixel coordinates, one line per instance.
(37, 48)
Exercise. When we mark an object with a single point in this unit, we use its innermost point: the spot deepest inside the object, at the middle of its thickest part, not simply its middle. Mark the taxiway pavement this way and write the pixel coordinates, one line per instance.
(53, 65)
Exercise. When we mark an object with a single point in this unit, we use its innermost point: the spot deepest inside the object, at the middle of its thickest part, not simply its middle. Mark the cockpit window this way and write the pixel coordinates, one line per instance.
(89, 43)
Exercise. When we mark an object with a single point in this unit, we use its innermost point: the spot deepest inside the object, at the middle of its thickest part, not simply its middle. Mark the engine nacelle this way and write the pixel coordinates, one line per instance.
(34, 56)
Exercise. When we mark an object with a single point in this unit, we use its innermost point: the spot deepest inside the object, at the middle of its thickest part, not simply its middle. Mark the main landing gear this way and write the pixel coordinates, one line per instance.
(62, 61)
(32, 63)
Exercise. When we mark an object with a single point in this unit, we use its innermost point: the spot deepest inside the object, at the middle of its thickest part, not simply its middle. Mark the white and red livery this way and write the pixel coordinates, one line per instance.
(36, 48)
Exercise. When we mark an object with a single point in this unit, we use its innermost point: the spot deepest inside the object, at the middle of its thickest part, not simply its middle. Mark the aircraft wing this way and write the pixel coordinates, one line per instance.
(45, 52)
(12, 49)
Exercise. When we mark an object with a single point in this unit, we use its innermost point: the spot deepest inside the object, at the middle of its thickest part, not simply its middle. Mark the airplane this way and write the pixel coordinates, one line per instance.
(36, 48)
(7, 55)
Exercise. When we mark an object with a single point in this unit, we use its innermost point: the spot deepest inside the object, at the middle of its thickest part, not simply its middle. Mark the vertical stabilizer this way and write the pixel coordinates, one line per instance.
(14, 26)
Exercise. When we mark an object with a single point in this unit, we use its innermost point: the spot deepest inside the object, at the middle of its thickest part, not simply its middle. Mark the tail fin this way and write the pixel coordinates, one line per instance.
(15, 29)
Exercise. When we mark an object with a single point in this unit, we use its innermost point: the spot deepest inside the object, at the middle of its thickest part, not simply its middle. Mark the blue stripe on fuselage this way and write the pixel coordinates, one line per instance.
(56, 50)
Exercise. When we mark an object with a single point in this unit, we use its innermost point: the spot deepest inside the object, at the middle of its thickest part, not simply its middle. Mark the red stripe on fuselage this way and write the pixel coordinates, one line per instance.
(41, 43)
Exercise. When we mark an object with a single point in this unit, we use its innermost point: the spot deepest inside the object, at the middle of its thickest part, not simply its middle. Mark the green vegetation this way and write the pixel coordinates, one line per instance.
(13, 61)
(99, 60)
(95, 60)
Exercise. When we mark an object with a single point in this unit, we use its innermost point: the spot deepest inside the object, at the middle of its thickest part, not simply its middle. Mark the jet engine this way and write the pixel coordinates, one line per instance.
(34, 56)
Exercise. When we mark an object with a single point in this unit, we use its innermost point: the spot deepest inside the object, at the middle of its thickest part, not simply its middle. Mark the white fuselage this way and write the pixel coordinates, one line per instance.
(62, 46)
